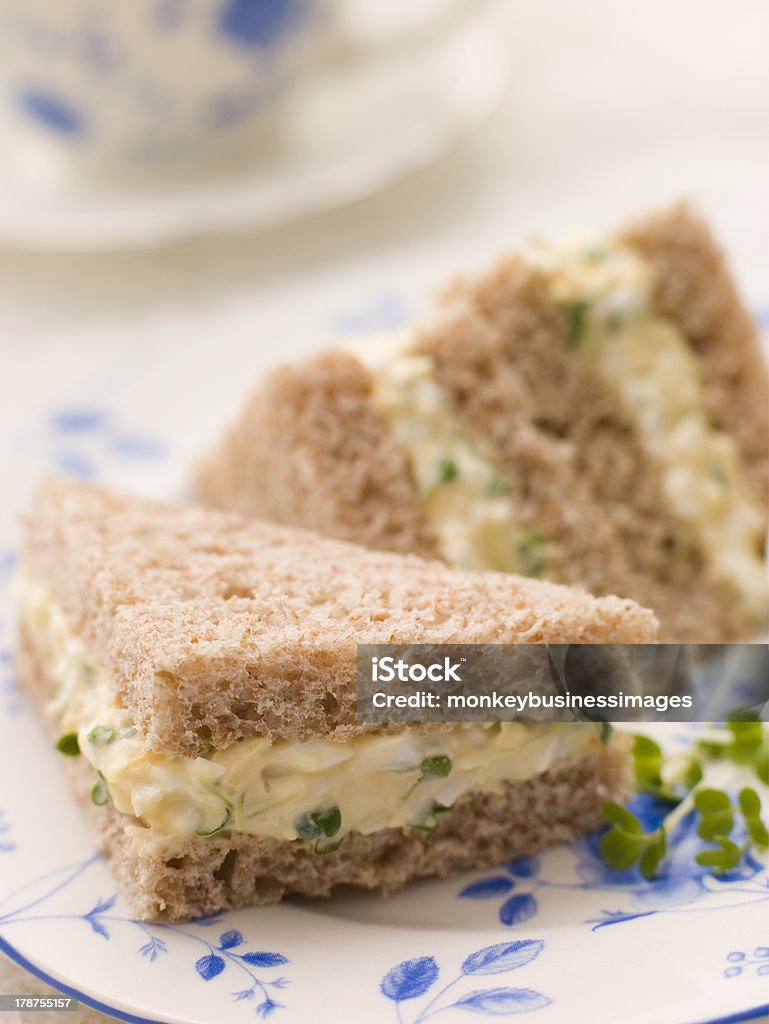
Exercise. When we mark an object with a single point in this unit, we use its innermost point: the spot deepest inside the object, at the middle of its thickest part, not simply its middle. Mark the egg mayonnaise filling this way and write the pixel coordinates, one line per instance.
(606, 293)
(462, 496)
(318, 790)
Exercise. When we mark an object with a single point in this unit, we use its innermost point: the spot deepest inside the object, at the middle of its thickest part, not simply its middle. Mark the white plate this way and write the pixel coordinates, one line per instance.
(558, 937)
(344, 135)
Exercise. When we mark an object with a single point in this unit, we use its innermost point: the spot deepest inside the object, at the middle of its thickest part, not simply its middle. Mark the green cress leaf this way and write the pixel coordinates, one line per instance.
(747, 740)
(758, 832)
(218, 828)
(100, 792)
(576, 321)
(623, 818)
(620, 850)
(652, 855)
(750, 802)
(626, 843)
(448, 470)
(750, 806)
(716, 814)
(750, 744)
(691, 776)
(101, 734)
(436, 767)
(746, 743)
(648, 761)
(712, 801)
(68, 744)
(721, 858)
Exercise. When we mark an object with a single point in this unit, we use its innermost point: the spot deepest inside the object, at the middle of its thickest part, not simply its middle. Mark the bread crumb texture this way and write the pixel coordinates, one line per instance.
(311, 449)
(211, 628)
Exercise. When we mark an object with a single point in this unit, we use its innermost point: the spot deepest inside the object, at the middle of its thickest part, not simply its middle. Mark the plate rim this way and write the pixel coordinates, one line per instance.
(38, 972)
(132, 1018)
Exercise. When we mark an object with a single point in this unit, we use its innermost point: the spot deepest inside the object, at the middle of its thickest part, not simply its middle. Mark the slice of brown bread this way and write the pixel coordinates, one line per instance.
(204, 875)
(211, 628)
(311, 448)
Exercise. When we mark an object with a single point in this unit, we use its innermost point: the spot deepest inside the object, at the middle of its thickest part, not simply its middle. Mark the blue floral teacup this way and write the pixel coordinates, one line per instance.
(126, 83)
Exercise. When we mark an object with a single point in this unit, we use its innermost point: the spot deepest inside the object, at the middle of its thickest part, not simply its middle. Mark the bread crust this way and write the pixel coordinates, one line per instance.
(188, 878)
(211, 628)
(312, 450)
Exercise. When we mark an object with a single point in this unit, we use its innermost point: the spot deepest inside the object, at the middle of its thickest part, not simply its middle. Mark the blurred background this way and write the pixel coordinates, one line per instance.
(154, 257)
(192, 190)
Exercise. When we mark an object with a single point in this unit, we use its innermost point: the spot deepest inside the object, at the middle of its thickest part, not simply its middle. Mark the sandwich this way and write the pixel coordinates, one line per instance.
(199, 671)
(594, 412)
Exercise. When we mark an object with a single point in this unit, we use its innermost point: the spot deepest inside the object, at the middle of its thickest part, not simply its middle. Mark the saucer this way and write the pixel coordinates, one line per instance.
(344, 135)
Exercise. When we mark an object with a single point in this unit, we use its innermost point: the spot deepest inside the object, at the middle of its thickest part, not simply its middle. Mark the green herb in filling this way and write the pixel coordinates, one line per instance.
(576, 321)
(218, 828)
(100, 792)
(447, 470)
(323, 848)
(239, 813)
(497, 486)
(614, 323)
(101, 734)
(430, 824)
(684, 549)
(717, 474)
(436, 767)
(68, 744)
(594, 254)
(317, 825)
(531, 549)
(605, 730)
